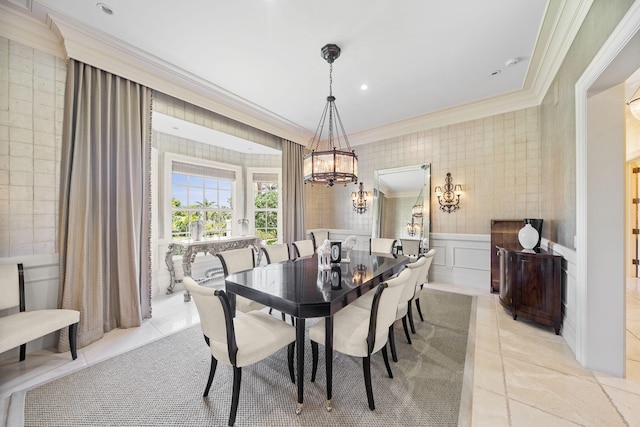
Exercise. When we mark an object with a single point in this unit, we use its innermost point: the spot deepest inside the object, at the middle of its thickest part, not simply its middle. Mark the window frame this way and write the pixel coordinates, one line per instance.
(236, 189)
(250, 205)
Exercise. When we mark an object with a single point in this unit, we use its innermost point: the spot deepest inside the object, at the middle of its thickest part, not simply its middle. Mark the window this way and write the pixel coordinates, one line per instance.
(266, 206)
(201, 193)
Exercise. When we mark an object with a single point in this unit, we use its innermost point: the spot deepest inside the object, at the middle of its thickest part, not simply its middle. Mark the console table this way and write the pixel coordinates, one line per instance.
(189, 248)
(530, 285)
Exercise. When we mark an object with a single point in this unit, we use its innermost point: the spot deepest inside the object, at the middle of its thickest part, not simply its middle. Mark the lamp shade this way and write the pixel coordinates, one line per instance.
(634, 108)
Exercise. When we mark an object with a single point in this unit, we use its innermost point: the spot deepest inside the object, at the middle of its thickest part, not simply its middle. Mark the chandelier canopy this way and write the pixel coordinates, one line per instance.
(332, 165)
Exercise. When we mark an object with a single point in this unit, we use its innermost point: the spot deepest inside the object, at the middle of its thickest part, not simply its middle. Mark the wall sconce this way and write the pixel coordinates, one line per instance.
(449, 199)
(413, 227)
(360, 199)
(634, 104)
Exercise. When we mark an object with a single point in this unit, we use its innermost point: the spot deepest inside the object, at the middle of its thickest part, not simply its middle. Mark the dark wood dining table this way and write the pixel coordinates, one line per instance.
(303, 290)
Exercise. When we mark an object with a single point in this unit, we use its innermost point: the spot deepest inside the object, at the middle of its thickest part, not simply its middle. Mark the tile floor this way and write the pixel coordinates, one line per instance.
(524, 375)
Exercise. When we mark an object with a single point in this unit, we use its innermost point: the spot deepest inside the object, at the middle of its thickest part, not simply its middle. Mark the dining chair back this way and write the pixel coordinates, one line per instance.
(411, 247)
(234, 261)
(423, 278)
(303, 248)
(276, 253)
(238, 341)
(318, 237)
(381, 245)
(361, 332)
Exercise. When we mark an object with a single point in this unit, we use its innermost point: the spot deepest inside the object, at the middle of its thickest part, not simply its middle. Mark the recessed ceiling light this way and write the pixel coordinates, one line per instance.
(364, 87)
(511, 62)
(104, 8)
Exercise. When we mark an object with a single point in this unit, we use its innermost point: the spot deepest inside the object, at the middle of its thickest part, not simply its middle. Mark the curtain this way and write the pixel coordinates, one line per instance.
(105, 204)
(293, 194)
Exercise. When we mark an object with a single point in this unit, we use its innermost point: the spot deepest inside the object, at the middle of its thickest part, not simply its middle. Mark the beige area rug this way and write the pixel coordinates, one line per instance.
(161, 383)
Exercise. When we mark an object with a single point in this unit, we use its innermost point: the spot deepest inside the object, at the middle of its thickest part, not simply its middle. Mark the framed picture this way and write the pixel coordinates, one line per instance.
(336, 252)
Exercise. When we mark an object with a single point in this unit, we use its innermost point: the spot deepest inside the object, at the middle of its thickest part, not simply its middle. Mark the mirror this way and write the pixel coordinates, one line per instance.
(401, 201)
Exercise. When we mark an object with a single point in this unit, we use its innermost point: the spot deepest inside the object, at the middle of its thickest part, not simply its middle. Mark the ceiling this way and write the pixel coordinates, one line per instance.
(259, 61)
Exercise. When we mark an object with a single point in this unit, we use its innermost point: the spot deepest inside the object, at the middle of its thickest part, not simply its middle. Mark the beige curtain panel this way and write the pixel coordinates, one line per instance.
(293, 196)
(105, 202)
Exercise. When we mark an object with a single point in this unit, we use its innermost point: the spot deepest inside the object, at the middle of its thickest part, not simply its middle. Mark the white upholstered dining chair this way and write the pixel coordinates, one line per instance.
(303, 248)
(381, 245)
(402, 312)
(318, 237)
(423, 278)
(411, 247)
(238, 341)
(276, 253)
(361, 332)
(234, 261)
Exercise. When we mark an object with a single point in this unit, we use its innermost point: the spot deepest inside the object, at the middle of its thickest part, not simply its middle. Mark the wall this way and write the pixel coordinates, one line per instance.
(496, 160)
(557, 122)
(31, 108)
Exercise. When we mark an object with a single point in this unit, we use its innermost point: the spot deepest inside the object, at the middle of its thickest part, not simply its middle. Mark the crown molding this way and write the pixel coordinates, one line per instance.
(120, 58)
(46, 30)
(29, 31)
(458, 114)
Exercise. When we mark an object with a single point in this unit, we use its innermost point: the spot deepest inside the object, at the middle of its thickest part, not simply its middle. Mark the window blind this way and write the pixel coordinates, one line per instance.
(265, 177)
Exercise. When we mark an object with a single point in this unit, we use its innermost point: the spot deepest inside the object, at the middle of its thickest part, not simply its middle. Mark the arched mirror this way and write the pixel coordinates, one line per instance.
(401, 202)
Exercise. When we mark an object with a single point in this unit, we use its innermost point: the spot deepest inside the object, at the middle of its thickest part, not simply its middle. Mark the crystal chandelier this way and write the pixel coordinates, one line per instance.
(333, 165)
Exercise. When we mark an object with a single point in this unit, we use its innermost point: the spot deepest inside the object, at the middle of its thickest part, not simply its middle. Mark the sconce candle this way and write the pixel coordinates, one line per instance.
(449, 199)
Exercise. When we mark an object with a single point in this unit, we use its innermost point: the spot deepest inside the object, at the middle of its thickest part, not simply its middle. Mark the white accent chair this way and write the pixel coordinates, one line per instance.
(423, 279)
(238, 341)
(381, 245)
(18, 328)
(276, 253)
(236, 260)
(361, 332)
(303, 248)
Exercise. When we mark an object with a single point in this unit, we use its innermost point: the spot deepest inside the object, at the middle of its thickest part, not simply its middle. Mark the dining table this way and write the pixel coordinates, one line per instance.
(305, 289)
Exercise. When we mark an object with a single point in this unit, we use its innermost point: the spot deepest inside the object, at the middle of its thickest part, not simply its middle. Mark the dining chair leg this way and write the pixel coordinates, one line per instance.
(284, 318)
(386, 361)
(406, 329)
(237, 376)
(290, 350)
(419, 310)
(410, 315)
(366, 367)
(212, 372)
(392, 343)
(314, 358)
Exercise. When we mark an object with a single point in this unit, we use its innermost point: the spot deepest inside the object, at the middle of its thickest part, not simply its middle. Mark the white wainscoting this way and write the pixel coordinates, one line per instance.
(569, 290)
(461, 259)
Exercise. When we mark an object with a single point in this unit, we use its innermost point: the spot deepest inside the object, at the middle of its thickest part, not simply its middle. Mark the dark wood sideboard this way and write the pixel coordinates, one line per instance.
(530, 285)
(504, 233)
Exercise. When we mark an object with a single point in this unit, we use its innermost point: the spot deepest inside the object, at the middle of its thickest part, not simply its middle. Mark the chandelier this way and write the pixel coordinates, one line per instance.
(333, 165)
(417, 211)
(449, 199)
(360, 199)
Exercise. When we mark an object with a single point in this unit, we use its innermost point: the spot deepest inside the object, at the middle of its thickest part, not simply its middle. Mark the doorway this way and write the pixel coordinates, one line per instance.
(600, 167)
